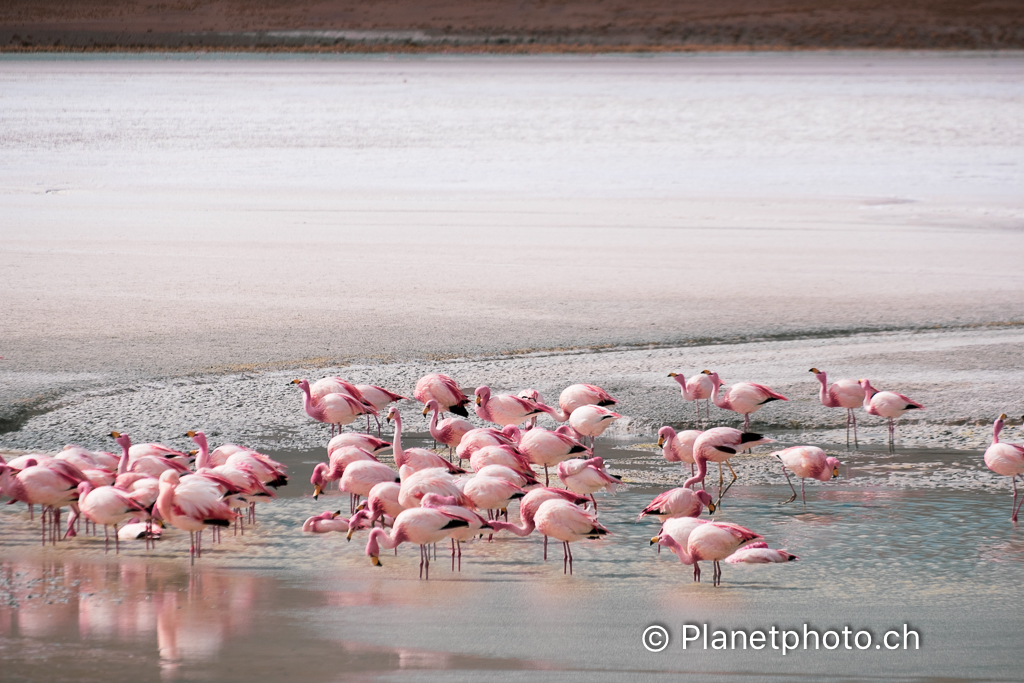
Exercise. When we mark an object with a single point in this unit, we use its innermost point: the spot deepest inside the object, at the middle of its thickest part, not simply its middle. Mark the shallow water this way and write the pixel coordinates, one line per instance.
(945, 561)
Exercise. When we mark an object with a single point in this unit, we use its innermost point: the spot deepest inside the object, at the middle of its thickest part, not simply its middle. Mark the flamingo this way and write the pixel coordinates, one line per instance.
(579, 395)
(146, 460)
(528, 506)
(745, 398)
(109, 506)
(680, 502)
(415, 485)
(474, 522)
(382, 501)
(844, 393)
(370, 444)
(713, 541)
(517, 477)
(492, 493)
(325, 523)
(361, 476)
(587, 477)
(478, 438)
(887, 404)
(678, 446)
(51, 486)
(444, 390)
(422, 526)
(719, 445)
(337, 409)
(191, 506)
(567, 523)
(804, 462)
(678, 528)
(379, 398)
(699, 388)
(341, 458)
(591, 421)
(509, 456)
(505, 409)
(1006, 459)
(548, 449)
(758, 552)
(448, 431)
(337, 385)
(533, 396)
(416, 458)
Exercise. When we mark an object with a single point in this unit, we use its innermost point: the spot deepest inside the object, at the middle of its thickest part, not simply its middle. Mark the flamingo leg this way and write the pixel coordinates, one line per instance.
(594, 500)
(56, 525)
(733, 481)
(458, 546)
(547, 482)
(697, 405)
(847, 428)
(192, 548)
(565, 557)
(696, 572)
(106, 538)
(788, 481)
(746, 422)
(545, 548)
(453, 554)
(803, 496)
(569, 550)
(117, 542)
(1015, 507)
(854, 416)
(721, 481)
(718, 574)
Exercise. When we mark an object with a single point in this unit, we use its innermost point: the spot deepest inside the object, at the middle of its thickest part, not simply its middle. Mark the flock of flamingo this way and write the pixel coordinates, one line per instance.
(431, 497)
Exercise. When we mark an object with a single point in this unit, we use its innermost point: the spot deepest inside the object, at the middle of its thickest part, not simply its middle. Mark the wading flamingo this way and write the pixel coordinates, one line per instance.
(416, 458)
(479, 438)
(361, 476)
(548, 449)
(109, 506)
(567, 523)
(719, 445)
(335, 409)
(1006, 459)
(419, 525)
(520, 479)
(698, 388)
(745, 398)
(475, 524)
(592, 421)
(579, 395)
(191, 505)
(51, 486)
(712, 542)
(444, 390)
(381, 503)
(678, 446)
(806, 462)
(758, 552)
(333, 470)
(844, 393)
(492, 493)
(370, 444)
(680, 502)
(587, 477)
(325, 523)
(379, 398)
(415, 485)
(887, 404)
(448, 431)
(505, 409)
(528, 506)
(509, 456)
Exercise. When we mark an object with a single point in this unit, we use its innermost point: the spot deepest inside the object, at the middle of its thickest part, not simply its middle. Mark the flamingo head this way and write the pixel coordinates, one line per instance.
(664, 434)
(83, 489)
(483, 394)
(303, 384)
(513, 432)
(198, 437)
(705, 499)
(998, 427)
(715, 379)
(317, 480)
(432, 404)
(169, 478)
(530, 395)
(393, 413)
(122, 439)
(866, 386)
(833, 464)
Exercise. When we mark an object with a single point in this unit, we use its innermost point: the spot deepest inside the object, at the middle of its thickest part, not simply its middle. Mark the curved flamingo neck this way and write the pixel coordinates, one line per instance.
(379, 538)
(823, 393)
(720, 401)
(203, 459)
(702, 470)
(122, 464)
(396, 444)
(433, 424)
(673, 545)
(681, 379)
(996, 428)
(869, 392)
(525, 530)
(11, 486)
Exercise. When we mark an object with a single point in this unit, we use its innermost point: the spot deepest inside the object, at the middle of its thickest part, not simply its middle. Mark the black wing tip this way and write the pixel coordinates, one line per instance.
(455, 524)
(747, 437)
(458, 410)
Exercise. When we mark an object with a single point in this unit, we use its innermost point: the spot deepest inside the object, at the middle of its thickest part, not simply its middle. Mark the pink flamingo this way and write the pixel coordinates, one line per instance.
(337, 409)
(533, 396)
(505, 409)
(492, 493)
(474, 522)
(587, 477)
(191, 505)
(338, 385)
(448, 431)
(479, 438)
(713, 541)
(51, 486)
(509, 456)
(333, 470)
(370, 444)
(147, 459)
(719, 445)
(680, 502)
(325, 523)
(528, 506)
(415, 485)
(548, 449)
(381, 502)
(678, 447)
(567, 523)
(419, 525)
(444, 390)
(592, 421)
(379, 398)
(109, 506)
(758, 552)
(361, 476)
(806, 462)
(844, 393)
(699, 388)
(517, 477)
(1007, 460)
(579, 395)
(887, 404)
(745, 398)
(416, 458)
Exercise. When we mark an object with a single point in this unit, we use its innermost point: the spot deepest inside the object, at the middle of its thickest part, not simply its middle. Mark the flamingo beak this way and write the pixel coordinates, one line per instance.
(115, 435)
(425, 410)
(705, 372)
(672, 374)
(478, 400)
(348, 536)
(661, 441)
(711, 508)
(814, 370)
(316, 491)
(835, 472)
(335, 514)
(190, 433)
(375, 561)
(361, 506)
(654, 541)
